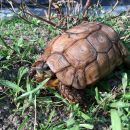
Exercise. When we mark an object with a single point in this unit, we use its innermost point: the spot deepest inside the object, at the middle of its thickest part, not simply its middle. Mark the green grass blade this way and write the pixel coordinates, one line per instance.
(127, 96)
(84, 116)
(70, 122)
(11, 85)
(97, 95)
(21, 72)
(115, 120)
(87, 126)
(76, 127)
(23, 124)
(20, 42)
(34, 90)
(120, 104)
(124, 81)
(50, 118)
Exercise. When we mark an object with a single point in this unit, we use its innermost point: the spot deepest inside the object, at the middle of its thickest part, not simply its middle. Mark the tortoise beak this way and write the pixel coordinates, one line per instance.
(39, 76)
(36, 70)
(40, 71)
(36, 75)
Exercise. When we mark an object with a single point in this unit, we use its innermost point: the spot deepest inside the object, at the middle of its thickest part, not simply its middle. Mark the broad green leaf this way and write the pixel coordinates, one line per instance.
(84, 116)
(11, 85)
(51, 116)
(124, 81)
(97, 95)
(76, 127)
(115, 120)
(57, 127)
(120, 104)
(49, 119)
(46, 99)
(127, 96)
(87, 126)
(21, 72)
(41, 85)
(20, 42)
(28, 86)
(70, 122)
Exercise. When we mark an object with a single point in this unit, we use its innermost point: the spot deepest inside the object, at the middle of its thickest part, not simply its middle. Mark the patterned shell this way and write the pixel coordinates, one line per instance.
(84, 54)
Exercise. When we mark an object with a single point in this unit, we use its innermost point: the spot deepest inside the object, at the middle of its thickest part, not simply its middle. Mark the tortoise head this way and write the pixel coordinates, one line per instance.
(40, 71)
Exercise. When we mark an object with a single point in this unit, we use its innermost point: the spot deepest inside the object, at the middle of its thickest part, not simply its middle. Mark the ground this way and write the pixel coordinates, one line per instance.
(26, 105)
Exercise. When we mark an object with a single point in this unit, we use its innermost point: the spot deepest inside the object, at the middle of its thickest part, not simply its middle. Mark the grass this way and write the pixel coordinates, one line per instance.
(44, 109)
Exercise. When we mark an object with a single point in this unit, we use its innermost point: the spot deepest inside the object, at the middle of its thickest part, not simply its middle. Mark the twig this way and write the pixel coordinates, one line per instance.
(49, 9)
(63, 17)
(21, 16)
(85, 8)
(38, 5)
(41, 18)
(57, 9)
(113, 17)
(125, 37)
(113, 7)
(11, 4)
(22, 8)
(27, 11)
(98, 3)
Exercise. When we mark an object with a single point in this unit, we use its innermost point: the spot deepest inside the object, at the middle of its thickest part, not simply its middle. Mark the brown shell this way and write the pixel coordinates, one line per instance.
(84, 54)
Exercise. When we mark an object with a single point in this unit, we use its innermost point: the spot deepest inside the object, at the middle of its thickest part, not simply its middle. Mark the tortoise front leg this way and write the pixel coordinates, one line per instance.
(72, 94)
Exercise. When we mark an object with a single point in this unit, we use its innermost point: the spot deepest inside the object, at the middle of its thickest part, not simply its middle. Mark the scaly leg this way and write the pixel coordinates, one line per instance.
(72, 94)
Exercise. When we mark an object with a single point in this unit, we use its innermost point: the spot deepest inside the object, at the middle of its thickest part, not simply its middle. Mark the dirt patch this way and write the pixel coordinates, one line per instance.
(8, 119)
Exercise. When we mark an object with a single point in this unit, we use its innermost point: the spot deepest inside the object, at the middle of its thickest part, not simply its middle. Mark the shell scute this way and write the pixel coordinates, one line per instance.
(66, 76)
(62, 43)
(100, 41)
(85, 54)
(79, 81)
(112, 58)
(92, 73)
(83, 30)
(57, 62)
(103, 63)
(110, 32)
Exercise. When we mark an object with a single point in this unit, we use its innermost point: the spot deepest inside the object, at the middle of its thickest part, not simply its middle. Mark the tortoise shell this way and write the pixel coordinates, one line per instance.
(84, 54)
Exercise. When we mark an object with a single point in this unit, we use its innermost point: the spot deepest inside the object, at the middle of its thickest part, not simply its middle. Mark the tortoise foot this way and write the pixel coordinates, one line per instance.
(71, 94)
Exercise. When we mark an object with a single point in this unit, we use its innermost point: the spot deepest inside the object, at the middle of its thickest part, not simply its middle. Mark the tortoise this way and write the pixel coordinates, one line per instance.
(80, 57)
